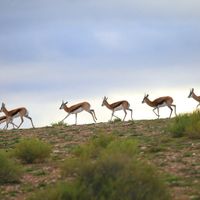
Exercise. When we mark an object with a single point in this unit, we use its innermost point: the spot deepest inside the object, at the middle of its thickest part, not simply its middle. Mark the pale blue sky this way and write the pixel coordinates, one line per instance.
(82, 50)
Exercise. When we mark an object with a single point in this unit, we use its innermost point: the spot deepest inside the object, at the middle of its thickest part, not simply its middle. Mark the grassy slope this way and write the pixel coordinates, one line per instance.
(177, 158)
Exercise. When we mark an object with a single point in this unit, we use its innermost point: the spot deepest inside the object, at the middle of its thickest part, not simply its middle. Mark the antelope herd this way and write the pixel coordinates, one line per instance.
(85, 106)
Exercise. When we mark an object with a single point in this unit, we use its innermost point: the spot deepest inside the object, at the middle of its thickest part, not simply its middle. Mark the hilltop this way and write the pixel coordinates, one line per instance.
(178, 159)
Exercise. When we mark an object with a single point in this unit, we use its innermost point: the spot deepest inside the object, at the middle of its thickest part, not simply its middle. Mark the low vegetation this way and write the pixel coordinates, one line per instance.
(57, 124)
(186, 125)
(107, 168)
(99, 160)
(10, 171)
(32, 150)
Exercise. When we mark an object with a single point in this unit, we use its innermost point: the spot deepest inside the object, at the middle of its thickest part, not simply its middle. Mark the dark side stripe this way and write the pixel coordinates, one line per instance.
(16, 111)
(2, 118)
(161, 102)
(76, 108)
(115, 105)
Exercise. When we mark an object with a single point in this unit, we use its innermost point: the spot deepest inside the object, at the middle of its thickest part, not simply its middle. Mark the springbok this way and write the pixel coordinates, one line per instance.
(3, 119)
(77, 108)
(18, 112)
(119, 105)
(194, 96)
(160, 102)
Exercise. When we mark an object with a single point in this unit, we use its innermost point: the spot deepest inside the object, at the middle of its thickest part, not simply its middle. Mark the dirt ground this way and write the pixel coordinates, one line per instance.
(178, 159)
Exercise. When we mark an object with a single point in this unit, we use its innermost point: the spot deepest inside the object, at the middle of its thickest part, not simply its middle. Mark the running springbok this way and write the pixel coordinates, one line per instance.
(194, 96)
(3, 119)
(18, 112)
(77, 108)
(160, 102)
(119, 105)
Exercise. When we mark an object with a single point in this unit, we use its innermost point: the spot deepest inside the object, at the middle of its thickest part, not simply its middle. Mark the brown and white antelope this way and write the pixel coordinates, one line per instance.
(194, 96)
(160, 102)
(119, 105)
(77, 108)
(18, 112)
(3, 119)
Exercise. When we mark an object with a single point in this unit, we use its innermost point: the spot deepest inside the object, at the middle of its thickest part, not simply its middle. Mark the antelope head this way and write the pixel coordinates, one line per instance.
(145, 98)
(191, 93)
(2, 106)
(104, 101)
(63, 104)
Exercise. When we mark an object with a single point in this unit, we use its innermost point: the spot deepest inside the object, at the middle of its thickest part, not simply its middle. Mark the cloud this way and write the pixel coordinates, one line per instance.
(49, 10)
(41, 31)
(89, 79)
(76, 50)
(109, 39)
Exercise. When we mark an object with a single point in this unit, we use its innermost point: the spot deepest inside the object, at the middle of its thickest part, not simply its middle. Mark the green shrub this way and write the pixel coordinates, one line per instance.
(61, 191)
(116, 120)
(94, 146)
(85, 153)
(118, 177)
(127, 147)
(186, 125)
(109, 179)
(57, 124)
(32, 150)
(10, 171)
(114, 172)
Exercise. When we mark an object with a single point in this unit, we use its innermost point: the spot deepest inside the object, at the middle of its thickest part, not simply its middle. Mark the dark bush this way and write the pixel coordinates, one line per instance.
(186, 125)
(32, 150)
(61, 191)
(10, 171)
(114, 172)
